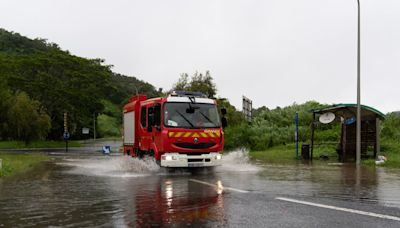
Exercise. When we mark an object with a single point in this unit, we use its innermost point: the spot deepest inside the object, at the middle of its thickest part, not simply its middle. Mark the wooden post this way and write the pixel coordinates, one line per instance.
(378, 136)
(312, 136)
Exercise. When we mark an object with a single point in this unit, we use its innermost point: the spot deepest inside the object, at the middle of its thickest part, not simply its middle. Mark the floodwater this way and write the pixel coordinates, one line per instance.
(119, 191)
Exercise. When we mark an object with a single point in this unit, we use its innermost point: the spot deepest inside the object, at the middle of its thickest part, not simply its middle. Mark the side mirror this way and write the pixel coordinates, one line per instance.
(224, 122)
(223, 111)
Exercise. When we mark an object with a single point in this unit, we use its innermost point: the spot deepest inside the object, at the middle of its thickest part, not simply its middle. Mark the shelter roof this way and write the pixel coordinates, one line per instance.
(349, 110)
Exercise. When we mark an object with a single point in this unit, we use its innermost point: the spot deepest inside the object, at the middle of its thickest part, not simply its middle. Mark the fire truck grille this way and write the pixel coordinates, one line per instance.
(195, 145)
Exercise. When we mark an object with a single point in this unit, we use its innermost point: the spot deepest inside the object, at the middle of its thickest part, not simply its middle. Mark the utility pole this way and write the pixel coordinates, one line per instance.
(358, 137)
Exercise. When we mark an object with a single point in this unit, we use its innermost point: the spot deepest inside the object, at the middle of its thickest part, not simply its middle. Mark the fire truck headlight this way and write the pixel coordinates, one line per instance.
(166, 157)
(218, 157)
(169, 157)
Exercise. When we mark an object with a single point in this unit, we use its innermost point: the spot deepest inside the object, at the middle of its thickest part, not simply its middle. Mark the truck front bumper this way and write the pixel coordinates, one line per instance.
(187, 160)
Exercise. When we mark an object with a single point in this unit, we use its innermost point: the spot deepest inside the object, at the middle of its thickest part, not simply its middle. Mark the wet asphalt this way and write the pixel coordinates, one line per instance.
(116, 191)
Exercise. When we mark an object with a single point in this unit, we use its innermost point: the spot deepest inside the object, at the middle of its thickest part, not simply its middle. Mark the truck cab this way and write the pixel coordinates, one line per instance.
(180, 130)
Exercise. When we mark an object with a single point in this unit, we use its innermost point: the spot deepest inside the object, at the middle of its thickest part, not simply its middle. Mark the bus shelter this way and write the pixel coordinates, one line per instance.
(346, 115)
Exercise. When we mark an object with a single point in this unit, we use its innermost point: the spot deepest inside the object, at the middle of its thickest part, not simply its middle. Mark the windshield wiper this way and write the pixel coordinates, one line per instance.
(206, 117)
(184, 118)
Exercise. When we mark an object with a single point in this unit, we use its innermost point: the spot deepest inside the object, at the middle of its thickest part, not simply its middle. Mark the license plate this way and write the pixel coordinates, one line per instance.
(195, 164)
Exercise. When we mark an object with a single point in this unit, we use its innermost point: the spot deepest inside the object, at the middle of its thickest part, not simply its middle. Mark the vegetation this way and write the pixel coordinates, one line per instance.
(18, 163)
(26, 119)
(197, 83)
(108, 126)
(286, 154)
(271, 135)
(277, 127)
(40, 81)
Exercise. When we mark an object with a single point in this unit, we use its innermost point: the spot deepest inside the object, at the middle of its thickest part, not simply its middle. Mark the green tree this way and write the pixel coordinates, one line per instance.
(4, 103)
(62, 82)
(198, 83)
(391, 126)
(27, 119)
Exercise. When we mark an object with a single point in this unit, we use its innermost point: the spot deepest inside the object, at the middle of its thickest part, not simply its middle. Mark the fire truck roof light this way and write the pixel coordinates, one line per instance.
(187, 94)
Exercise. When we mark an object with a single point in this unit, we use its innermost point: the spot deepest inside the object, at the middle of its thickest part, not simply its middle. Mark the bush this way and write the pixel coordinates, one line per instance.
(277, 127)
(108, 126)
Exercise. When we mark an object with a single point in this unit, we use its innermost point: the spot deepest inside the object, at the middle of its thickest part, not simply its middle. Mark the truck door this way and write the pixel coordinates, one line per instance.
(144, 142)
(155, 119)
(148, 130)
(157, 131)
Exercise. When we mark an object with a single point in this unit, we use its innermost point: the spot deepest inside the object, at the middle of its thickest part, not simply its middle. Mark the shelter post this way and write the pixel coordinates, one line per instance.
(312, 136)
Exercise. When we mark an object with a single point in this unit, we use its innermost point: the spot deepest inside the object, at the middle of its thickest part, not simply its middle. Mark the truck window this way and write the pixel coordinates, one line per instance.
(150, 116)
(143, 117)
(188, 115)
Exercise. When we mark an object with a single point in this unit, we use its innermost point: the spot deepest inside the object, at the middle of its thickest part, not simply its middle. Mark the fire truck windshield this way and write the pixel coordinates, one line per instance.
(191, 115)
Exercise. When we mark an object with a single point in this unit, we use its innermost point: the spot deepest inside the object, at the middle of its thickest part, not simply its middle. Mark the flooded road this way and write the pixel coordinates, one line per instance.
(118, 191)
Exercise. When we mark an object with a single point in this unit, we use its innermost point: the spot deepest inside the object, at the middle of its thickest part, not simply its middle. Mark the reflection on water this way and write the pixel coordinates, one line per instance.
(178, 202)
(119, 192)
(347, 182)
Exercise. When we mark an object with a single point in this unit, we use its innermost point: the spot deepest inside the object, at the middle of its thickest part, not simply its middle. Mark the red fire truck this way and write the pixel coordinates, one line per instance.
(183, 129)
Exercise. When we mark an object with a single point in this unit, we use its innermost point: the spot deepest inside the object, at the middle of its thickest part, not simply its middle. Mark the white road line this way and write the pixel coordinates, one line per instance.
(216, 186)
(340, 209)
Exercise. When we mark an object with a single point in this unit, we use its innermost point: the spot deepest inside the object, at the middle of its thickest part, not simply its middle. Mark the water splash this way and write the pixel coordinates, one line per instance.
(125, 166)
(237, 161)
(121, 166)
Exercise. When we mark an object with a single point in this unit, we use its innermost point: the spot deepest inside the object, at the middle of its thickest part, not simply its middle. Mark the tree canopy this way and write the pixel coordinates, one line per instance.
(61, 82)
(198, 82)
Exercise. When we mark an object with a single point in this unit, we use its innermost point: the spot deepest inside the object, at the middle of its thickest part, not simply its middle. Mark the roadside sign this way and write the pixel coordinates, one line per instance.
(65, 122)
(66, 135)
(85, 131)
(247, 108)
(350, 120)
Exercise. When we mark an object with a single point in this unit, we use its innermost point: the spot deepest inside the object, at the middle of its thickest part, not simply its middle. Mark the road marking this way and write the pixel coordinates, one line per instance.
(340, 209)
(216, 186)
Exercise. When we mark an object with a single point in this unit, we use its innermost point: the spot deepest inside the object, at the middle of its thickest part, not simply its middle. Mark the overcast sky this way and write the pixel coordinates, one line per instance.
(275, 52)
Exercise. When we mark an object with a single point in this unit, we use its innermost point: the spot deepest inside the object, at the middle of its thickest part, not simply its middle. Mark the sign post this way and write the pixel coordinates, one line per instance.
(66, 134)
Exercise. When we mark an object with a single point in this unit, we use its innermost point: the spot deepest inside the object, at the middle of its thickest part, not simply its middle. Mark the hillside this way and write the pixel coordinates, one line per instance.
(60, 82)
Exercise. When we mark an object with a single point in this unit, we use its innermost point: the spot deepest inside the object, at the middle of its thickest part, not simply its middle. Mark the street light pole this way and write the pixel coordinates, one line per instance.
(358, 137)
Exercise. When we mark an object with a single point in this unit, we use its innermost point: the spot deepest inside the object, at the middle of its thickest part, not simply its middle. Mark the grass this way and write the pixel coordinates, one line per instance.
(18, 163)
(37, 144)
(277, 154)
(286, 154)
(391, 150)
